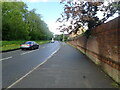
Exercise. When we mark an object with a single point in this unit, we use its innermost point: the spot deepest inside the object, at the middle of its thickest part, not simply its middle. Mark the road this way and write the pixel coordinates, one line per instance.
(66, 68)
(16, 64)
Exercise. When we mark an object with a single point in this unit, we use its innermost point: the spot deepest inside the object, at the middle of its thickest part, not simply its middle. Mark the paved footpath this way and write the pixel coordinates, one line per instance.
(68, 68)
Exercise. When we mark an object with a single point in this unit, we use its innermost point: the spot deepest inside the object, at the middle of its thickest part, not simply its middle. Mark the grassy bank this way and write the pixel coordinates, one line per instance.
(9, 45)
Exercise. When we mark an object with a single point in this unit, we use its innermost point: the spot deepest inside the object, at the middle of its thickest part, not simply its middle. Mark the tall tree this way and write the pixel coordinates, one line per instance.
(86, 13)
(20, 24)
(13, 25)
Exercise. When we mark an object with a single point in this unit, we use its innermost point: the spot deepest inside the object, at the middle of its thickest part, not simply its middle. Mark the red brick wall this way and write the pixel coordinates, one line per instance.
(103, 47)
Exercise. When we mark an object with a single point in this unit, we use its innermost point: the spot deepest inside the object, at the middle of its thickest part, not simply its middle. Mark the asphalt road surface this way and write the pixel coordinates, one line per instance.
(64, 67)
(16, 64)
(67, 68)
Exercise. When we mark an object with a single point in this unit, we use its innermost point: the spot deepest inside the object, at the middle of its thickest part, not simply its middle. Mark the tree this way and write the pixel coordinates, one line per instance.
(20, 24)
(13, 25)
(38, 29)
(85, 13)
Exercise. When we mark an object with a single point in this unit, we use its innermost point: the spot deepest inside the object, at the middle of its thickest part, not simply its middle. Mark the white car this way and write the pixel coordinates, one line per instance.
(52, 41)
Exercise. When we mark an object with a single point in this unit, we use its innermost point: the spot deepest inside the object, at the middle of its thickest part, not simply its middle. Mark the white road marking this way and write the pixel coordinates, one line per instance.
(5, 58)
(31, 70)
(29, 52)
(53, 48)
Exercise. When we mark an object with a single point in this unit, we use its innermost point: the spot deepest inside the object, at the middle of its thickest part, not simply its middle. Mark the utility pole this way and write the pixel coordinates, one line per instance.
(63, 37)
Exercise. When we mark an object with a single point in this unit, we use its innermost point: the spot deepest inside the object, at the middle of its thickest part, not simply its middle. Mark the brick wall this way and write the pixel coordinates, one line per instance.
(103, 47)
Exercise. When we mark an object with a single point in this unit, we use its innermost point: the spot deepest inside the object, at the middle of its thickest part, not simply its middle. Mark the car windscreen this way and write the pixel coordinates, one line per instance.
(28, 42)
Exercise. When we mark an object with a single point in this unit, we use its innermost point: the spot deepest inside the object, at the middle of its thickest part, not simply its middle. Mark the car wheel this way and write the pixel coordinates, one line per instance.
(23, 48)
(37, 47)
(32, 48)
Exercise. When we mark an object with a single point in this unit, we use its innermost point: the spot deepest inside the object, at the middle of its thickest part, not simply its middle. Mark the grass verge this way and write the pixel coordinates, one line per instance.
(9, 45)
(116, 85)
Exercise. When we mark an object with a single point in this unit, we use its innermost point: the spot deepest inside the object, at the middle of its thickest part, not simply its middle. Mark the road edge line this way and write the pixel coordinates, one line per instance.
(6, 58)
(33, 69)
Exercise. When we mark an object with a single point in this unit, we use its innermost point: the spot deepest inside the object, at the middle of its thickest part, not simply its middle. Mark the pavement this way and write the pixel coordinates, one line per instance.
(67, 68)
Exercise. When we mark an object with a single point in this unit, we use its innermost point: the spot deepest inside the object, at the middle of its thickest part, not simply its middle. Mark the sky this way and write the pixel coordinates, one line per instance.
(49, 10)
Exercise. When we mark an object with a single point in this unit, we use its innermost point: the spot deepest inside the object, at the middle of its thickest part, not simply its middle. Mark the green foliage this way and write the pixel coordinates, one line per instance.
(8, 45)
(116, 5)
(42, 42)
(88, 33)
(59, 37)
(20, 24)
(116, 85)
